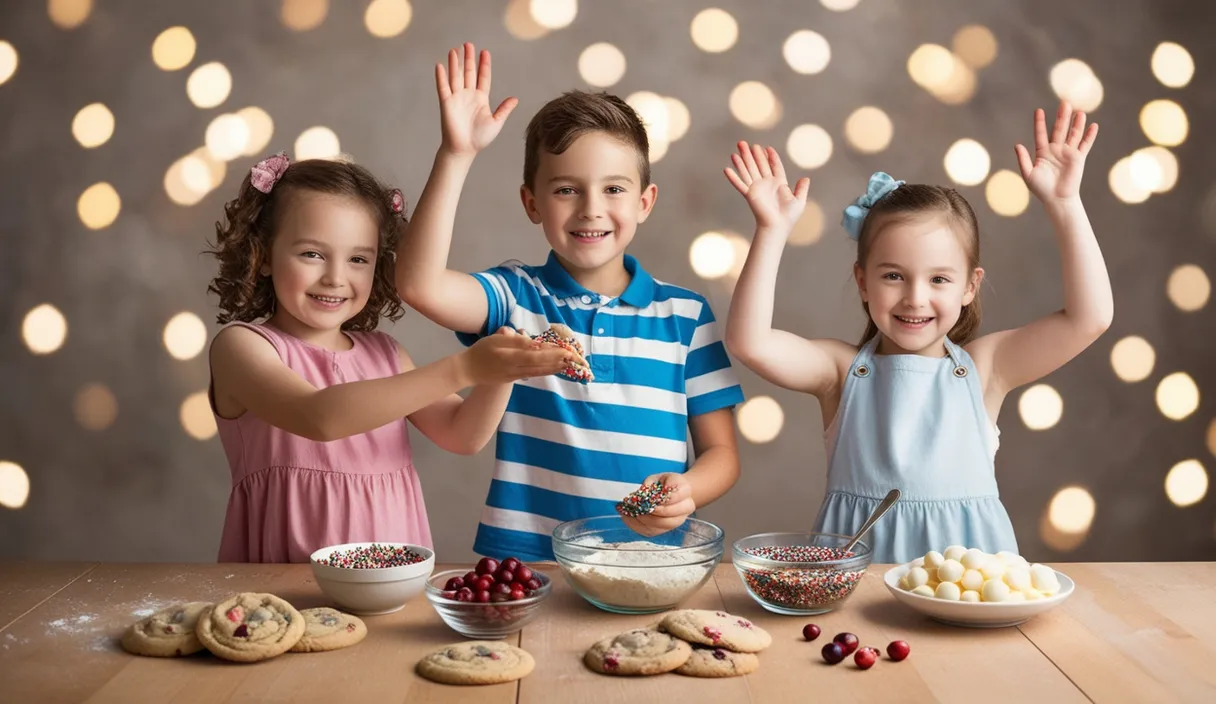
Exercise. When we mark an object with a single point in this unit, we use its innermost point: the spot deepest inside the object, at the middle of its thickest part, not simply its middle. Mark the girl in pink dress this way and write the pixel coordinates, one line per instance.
(311, 401)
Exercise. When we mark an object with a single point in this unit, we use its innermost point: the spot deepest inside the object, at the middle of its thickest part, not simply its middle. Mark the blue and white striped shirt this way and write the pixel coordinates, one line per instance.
(567, 450)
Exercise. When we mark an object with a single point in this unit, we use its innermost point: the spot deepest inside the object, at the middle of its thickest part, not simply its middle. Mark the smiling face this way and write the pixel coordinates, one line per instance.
(590, 200)
(915, 280)
(322, 264)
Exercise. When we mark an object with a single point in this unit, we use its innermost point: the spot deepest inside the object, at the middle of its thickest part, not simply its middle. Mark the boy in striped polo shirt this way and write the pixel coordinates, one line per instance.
(565, 449)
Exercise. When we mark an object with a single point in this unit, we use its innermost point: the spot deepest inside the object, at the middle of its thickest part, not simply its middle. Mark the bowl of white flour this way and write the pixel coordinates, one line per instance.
(621, 571)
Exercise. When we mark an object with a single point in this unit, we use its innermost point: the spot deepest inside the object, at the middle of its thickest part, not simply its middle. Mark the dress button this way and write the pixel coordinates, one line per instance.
(862, 370)
(586, 299)
(960, 371)
(600, 331)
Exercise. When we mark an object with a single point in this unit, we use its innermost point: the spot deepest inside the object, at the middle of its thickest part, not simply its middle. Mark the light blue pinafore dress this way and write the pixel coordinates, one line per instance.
(917, 424)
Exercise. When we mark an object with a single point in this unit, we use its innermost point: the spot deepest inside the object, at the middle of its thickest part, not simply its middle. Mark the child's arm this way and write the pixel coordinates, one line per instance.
(248, 372)
(462, 426)
(453, 299)
(1022, 355)
(778, 356)
(714, 472)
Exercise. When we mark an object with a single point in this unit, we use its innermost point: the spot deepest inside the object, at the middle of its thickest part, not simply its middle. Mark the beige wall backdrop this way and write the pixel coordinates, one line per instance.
(104, 212)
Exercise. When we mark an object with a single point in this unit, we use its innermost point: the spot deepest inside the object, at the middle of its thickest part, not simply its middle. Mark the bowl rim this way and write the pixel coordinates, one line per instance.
(1067, 587)
(866, 556)
(717, 542)
(433, 593)
(314, 560)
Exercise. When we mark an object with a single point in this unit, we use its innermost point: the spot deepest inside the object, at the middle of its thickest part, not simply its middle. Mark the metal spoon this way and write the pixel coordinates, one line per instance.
(883, 507)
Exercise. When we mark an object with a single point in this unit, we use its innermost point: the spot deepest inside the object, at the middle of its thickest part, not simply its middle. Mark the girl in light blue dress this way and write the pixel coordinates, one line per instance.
(914, 406)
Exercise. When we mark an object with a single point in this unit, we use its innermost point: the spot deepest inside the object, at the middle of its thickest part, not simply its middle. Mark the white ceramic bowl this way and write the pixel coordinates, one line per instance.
(372, 591)
(976, 614)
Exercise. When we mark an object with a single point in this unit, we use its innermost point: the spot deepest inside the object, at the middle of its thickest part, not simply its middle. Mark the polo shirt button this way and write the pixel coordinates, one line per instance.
(586, 299)
(600, 331)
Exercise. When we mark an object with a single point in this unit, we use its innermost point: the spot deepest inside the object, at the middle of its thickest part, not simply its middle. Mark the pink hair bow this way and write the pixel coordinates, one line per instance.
(396, 202)
(268, 171)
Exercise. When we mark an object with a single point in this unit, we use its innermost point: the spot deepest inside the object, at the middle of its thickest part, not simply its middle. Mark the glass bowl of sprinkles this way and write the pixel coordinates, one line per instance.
(623, 572)
(800, 574)
(372, 578)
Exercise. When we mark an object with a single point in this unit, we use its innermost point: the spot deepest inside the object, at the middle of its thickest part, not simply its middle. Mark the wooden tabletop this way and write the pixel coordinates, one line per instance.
(1131, 632)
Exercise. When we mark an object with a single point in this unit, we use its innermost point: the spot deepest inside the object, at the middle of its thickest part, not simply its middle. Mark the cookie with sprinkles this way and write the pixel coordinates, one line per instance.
(249, 627)
(476, 662)
(718, 662)
(328, 629)
(717, 629)
(644, 500)
(167, 633)
(561, 336)
(642, 651)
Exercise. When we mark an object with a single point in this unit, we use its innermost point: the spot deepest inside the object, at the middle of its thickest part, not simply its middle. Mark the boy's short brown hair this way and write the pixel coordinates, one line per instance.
(571, 115)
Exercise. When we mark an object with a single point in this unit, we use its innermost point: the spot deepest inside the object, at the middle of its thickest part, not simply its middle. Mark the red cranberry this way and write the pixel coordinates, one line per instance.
(898, 650)
(504, 576)
(470, 577)
(516, 585)
(533, 584)
(523, 573)
(242, 631)
(497, 596)
(511, 563)
(810, 631)
(611, 663)
(453, 584)
(833, 653)
(483, 597)
(487, 565)
(517, 594)
(449, 595)
(484, 583)
(865, 658)
(501, 588)
(848, 641)
(464, 594)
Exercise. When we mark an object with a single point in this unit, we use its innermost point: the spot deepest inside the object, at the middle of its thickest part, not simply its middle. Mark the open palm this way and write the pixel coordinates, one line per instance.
(1055, 172)
(469, 125)
(759, 175)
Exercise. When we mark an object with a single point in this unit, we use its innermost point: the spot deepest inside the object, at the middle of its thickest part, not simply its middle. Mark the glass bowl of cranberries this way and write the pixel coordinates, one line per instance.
(492, 600)
(800, 574)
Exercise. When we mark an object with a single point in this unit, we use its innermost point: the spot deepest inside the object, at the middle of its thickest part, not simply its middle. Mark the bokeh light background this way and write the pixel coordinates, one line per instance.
(125, 125)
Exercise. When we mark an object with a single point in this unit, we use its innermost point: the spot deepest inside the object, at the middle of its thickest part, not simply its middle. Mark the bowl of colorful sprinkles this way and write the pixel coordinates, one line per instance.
(372, 578)
(800, 574)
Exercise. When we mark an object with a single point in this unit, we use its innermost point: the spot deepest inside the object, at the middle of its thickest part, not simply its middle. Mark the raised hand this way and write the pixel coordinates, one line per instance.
(760, 177)
(672, 513)
(464, 102)
(1055, 172)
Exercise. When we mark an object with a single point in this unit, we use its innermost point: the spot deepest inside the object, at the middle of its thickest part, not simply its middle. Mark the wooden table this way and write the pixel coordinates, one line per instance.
(1130, 633)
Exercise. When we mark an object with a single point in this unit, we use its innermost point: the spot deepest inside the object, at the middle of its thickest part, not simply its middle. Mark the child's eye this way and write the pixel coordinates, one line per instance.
(359, 260)
(940, 280)
(891, 276)
(311, 255)
(615, 190)
(565, 191)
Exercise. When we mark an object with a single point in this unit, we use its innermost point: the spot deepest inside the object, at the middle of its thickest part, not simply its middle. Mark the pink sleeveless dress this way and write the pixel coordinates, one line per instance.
(292, 496)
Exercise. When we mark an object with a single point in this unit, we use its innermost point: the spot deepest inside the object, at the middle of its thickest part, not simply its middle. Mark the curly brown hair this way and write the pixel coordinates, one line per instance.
(243, 242)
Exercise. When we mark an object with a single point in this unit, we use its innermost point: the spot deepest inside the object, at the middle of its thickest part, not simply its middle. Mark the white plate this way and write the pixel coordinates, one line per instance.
(976, 614)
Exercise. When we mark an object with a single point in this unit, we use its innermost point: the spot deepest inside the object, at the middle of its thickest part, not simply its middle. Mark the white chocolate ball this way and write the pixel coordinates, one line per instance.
(923, 590)
(954, 552)
(948, 591)
(1032, 594)
(950, 571)
(1016, 596)
(994, 590)
(970, 595)
(974, 558)
(918, 562)
(903, 582)
(1044, 579)
(972, 579)
(933, 559)
(1018, 578)
(916, 577)
(993, 568)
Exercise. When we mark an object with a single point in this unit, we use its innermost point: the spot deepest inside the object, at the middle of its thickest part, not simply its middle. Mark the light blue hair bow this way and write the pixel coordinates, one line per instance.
(855, 215)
